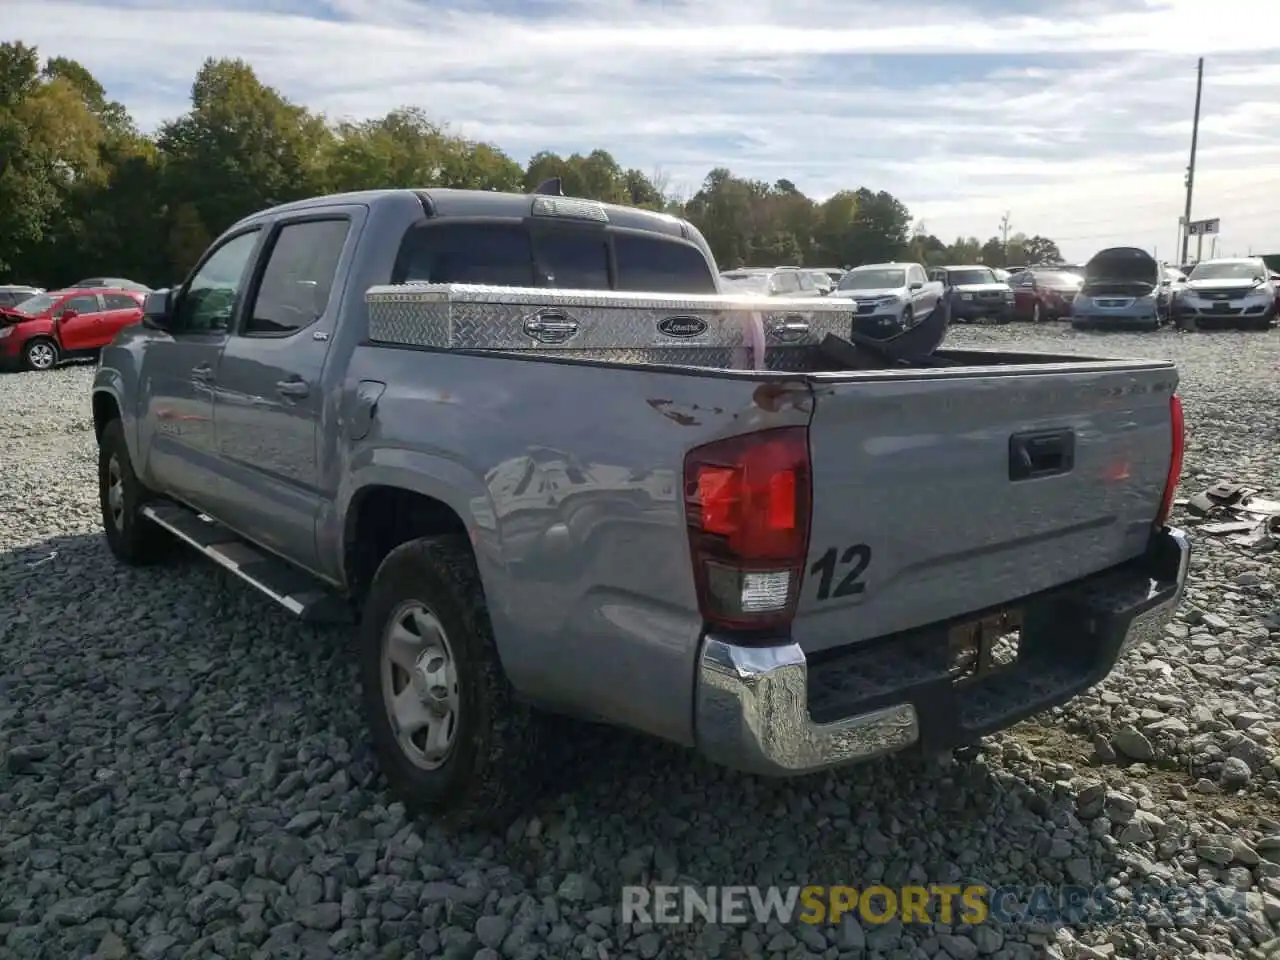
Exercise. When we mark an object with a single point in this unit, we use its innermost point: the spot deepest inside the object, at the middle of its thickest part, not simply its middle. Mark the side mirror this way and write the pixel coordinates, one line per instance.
(157, 309)
(67, 315)
(916, 285)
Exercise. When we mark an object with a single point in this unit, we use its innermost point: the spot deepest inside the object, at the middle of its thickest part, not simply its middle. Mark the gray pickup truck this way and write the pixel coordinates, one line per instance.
(501, 433)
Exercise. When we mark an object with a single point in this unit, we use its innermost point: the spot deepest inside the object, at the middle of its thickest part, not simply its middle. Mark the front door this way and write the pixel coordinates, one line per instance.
(270, 393)
(179, 369)
(78, 321)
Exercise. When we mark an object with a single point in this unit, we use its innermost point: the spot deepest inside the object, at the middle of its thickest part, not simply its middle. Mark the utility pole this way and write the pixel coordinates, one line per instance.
(1004, 236)
(1191, 167)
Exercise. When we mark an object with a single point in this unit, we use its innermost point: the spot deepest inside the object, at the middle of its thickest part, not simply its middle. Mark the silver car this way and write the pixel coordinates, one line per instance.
(890, 297)
(1228, 291)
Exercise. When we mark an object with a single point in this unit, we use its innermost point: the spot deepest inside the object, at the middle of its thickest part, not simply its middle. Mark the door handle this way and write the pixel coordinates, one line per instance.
(293, 388)
(202, 373)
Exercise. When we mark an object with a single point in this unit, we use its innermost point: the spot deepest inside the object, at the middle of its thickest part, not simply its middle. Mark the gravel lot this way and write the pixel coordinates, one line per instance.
(183, 771)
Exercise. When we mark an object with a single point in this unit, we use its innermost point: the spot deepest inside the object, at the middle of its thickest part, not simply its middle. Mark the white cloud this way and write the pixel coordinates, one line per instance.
(1076, 121)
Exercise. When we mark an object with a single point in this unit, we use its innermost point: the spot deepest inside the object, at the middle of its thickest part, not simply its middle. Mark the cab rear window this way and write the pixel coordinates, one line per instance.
(503, 255)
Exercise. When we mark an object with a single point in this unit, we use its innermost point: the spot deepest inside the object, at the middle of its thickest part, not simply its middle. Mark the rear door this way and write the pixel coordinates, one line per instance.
(121, 310)
(923, 509)
(83, 330)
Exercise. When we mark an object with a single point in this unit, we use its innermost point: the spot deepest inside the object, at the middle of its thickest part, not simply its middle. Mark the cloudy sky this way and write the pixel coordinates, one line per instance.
(1074, 116)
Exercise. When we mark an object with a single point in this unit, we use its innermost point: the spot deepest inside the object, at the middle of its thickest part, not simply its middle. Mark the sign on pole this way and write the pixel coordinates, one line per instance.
(1201, 228)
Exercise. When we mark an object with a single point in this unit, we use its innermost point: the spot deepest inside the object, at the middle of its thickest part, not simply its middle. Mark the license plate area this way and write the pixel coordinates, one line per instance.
(982, 648)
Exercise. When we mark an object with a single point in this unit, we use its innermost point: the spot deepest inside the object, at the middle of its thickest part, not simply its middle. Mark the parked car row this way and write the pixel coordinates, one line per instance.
(1118, 288)
(45, 328)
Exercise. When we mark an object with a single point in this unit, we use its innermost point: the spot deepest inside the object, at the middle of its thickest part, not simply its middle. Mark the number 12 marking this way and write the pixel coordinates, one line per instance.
(825, 569)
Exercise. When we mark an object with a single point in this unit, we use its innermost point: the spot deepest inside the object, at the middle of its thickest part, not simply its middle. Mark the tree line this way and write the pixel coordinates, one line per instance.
(84, 192)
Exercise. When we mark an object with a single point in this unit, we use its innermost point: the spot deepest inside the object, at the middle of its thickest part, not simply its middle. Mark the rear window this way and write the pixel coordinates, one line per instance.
(651, 263)
(574, 261)
(502, 255)
(466, 253)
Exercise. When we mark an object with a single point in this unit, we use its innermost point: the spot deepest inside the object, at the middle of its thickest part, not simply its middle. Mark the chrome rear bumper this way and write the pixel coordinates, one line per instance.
(753, 710)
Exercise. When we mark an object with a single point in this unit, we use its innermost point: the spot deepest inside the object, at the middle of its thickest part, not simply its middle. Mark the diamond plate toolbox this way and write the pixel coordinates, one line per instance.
(700, 330)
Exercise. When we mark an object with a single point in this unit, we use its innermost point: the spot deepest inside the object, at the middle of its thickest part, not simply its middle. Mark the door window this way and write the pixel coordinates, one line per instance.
(295, 286)
(86, 303)
(649, 264)
(210, 297)
(118, 301)
(806, 283)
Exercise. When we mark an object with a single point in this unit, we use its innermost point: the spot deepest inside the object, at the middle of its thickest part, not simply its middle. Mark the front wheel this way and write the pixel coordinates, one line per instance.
(131, 537)
(40, 354)
(449, 734)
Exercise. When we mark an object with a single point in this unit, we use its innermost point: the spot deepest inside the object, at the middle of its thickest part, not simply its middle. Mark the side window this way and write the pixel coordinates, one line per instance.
(806, 283)
(118, 301)
(298, 279)
(647, 263)
(917, 275)
(7, 299)
(785, 282)
(210, 298)
(491, 254)
(572, 260)
(86, 303)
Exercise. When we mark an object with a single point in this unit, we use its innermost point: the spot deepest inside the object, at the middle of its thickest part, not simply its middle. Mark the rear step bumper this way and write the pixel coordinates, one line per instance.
(768, 710)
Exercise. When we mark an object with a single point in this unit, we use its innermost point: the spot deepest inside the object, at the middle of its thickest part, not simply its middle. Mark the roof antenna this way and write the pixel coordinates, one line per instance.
(551, 188)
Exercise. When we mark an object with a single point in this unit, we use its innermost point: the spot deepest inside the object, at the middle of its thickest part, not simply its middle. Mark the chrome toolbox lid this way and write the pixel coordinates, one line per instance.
(474, 317)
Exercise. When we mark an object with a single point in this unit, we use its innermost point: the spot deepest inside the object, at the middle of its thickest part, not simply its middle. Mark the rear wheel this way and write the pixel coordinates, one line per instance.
(450, 736)
(40, 354)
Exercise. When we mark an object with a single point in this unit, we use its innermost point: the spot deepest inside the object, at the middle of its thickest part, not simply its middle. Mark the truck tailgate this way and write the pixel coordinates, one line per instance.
(943, 493)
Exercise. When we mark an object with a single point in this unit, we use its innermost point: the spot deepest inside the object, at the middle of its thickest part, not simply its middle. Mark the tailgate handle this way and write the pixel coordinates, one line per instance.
(1041, 454)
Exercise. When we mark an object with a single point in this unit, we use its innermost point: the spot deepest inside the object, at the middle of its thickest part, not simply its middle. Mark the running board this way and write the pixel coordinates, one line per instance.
(298, 592)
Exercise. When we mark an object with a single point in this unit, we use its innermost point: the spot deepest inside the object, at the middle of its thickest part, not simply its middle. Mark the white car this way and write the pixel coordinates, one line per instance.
(889, 297)
(1229, 291)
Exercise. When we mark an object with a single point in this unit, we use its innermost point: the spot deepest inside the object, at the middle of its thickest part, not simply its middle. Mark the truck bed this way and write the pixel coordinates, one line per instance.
(580, 525)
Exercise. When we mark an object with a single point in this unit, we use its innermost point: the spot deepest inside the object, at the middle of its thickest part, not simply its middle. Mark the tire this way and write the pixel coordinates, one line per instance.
(40, 353)
(493, 746)
(1037, 312)
(133, 538)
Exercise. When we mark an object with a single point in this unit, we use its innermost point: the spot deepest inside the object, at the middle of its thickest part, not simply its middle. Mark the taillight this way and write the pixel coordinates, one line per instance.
(747, 504)
(1175, 460)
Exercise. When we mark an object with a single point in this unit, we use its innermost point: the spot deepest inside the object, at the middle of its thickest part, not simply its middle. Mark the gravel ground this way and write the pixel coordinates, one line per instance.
(183, 770)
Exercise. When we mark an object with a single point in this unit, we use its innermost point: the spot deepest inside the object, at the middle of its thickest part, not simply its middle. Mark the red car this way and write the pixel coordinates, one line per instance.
(49, 327)
(1044, 293)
